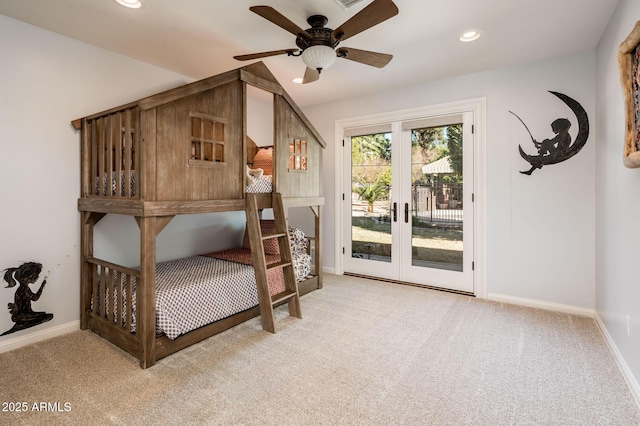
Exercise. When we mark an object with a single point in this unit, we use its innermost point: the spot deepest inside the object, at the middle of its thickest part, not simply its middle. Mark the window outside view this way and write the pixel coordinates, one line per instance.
(435, 210)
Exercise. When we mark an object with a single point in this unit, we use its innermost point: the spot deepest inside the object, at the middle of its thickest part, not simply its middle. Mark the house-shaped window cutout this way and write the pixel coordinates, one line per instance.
(297, 154)
(207, 139)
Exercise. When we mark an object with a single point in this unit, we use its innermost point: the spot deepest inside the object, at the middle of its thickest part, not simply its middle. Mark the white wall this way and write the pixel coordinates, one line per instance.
(540, 228)
(617, 190)
(260, 116)
(46, 81)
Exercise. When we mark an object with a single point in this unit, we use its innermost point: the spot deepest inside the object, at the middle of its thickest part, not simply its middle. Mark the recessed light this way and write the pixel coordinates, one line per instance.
(298, 80)
(470, 36)
(133, 4)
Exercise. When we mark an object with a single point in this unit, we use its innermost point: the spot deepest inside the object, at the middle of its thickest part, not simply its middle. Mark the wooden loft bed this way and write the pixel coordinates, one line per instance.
(182, 151)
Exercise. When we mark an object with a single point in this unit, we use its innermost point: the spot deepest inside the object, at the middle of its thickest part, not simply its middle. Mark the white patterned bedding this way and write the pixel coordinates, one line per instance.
(198, 290)
(193, 292)
(262, 185)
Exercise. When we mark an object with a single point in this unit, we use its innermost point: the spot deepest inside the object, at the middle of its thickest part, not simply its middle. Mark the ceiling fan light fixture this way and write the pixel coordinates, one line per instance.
(319, 57)
(133, 4)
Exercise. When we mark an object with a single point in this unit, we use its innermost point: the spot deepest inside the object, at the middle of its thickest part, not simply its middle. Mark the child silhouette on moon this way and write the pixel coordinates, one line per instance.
(556, 147)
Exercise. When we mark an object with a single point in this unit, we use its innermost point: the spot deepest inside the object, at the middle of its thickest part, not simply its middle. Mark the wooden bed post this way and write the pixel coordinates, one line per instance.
(317, 210)
(89, 220)
(146, 292)
(86, 248)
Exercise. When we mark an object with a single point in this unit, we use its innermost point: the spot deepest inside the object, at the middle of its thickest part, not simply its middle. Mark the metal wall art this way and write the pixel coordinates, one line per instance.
(559, 148)
(628, 59)
(21, 312)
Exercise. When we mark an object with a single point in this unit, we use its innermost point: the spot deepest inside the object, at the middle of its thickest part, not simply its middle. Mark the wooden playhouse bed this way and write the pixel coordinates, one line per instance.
(183, 151)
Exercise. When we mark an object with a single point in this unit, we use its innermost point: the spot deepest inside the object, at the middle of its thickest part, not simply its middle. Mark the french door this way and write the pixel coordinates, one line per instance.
(408, 210)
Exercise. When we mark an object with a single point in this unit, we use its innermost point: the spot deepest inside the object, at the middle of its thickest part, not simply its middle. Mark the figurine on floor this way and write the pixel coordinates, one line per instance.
(21, 312)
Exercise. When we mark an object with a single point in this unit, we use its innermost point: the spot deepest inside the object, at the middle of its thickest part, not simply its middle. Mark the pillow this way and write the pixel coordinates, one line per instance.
(271, 245)
(298, 240)
(253, 174)
(264, 160)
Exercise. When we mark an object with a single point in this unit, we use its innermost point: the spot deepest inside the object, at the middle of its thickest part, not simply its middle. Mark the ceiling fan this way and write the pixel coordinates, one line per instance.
(317, 45)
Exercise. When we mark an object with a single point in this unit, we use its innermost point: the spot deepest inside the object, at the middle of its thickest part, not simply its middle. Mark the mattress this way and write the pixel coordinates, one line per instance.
(262, 185)
(192, 292)
(198, 290)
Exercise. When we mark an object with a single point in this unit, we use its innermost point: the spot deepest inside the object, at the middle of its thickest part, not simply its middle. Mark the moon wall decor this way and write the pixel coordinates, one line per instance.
(559, 148)
(628, 60)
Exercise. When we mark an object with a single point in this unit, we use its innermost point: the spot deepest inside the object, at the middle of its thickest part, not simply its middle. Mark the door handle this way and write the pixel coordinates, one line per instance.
(395, 212)
(406, 212)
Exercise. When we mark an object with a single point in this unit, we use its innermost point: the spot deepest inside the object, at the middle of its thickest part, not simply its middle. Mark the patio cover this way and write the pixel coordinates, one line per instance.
(438, 167)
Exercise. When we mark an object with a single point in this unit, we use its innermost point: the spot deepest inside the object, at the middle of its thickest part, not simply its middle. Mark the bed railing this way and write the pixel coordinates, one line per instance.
(113, 154)
(113, 293)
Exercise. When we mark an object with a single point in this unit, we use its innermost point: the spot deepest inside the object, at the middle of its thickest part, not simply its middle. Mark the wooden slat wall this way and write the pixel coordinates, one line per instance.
(147, 167)
(295, 183)
(109, 166)
(176, 179)
(111, 152)
(197, 187)
(128, 147)
(112, 292)
(101, 135)
(169, 167)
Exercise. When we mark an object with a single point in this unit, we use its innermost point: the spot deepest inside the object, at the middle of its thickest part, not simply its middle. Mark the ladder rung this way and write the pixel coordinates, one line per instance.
(278, 265)
(269, 236)
(285, 295)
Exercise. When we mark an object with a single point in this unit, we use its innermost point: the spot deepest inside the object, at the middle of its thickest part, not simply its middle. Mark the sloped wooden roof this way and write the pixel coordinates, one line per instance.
(256, 74)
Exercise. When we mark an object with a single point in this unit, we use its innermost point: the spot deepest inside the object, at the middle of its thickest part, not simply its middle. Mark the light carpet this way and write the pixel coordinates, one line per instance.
(366, 353)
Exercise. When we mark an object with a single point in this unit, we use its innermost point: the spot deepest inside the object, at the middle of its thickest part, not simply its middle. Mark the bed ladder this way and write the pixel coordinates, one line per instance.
(290, 295)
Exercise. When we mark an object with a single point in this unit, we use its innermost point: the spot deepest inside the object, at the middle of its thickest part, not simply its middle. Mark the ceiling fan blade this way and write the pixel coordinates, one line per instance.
(374, 59)
(264, 54)
(270, 14)
(310, 75)
(378, 11)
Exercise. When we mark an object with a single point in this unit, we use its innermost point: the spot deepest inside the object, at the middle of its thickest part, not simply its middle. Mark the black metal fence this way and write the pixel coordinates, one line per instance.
(433, 203)
(438, 202)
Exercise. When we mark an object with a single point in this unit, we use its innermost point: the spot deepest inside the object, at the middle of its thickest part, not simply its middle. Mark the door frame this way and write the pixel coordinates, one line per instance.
(475, 105)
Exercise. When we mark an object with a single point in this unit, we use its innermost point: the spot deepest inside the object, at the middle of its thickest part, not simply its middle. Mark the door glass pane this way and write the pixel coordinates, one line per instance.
(370, 189)
(436, 192)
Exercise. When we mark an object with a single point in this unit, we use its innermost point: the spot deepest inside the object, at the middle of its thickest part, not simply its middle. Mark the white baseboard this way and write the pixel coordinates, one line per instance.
(328, 270)
(48, 333)
(622, 365)
(549, 306)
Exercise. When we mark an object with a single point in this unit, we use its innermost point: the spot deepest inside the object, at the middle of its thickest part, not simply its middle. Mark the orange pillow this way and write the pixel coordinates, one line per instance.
(271, 245)
(264, 160)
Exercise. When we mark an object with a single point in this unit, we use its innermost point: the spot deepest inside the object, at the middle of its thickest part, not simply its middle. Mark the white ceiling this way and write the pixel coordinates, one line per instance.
(199, 38)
